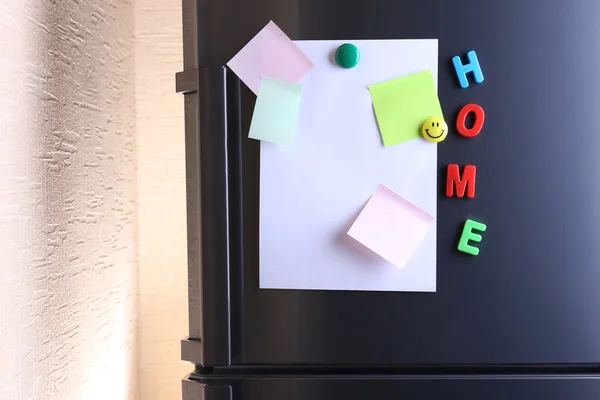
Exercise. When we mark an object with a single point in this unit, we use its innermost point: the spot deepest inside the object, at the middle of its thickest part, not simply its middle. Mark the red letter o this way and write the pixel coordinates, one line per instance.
(462, 117)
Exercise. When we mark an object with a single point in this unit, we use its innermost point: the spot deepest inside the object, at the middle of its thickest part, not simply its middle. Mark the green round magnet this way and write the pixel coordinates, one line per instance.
(347, 55)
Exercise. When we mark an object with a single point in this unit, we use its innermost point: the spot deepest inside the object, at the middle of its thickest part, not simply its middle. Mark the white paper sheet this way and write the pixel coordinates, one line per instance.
(312, 191)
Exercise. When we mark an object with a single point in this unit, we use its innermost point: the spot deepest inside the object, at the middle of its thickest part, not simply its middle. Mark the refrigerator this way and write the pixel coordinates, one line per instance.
(519, 321)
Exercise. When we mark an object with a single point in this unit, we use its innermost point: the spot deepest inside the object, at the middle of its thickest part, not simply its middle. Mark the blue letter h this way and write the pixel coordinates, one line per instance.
(463, 70)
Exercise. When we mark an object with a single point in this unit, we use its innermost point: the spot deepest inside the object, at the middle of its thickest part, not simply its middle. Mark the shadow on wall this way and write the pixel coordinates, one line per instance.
(68, 225)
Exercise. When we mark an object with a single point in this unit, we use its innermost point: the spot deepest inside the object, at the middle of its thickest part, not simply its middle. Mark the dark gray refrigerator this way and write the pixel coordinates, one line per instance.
(519, 321)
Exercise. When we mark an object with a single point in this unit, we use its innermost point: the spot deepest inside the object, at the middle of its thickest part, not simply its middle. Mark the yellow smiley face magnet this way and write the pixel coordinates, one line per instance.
(434, 130)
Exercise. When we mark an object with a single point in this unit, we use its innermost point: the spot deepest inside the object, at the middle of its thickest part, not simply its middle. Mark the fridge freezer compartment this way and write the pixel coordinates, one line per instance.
(551, 387)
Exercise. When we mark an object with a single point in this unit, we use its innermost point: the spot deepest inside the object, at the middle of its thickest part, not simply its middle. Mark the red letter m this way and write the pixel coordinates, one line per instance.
(454, 179)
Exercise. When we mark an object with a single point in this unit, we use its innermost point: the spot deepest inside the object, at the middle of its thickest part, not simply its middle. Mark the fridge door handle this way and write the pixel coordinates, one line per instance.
(207, 186)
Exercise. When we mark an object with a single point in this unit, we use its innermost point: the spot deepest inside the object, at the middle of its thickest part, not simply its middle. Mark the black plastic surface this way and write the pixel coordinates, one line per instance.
(414, 388)
(532, 295)
(211, 153)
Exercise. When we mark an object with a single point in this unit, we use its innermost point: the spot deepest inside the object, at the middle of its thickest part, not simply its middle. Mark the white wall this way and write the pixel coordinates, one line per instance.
(75, 214)
(161, 198)
(67, 201)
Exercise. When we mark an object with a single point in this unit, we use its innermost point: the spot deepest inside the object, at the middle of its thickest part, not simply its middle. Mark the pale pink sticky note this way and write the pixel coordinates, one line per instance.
(270, 54)
(391, 226)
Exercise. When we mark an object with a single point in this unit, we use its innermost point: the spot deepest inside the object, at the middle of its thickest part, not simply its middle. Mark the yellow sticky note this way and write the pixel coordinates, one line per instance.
(403, 104)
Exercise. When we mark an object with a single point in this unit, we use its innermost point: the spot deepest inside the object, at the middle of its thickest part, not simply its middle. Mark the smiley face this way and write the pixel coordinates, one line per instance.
(434, 129)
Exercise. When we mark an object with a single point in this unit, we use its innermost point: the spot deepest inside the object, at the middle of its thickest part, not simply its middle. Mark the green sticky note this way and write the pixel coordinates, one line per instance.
(276, 111)
(403, 104)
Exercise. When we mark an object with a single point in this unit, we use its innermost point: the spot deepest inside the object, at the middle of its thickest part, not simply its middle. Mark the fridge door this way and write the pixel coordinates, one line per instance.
(530, 297)
(385, 388)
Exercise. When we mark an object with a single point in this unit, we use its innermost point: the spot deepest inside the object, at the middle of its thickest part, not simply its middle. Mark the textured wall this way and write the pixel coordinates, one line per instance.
(67, 192)
(161, 198)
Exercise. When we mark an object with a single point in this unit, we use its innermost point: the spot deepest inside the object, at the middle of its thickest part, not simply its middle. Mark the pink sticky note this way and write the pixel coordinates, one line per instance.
(270, 54)
(391, 226)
